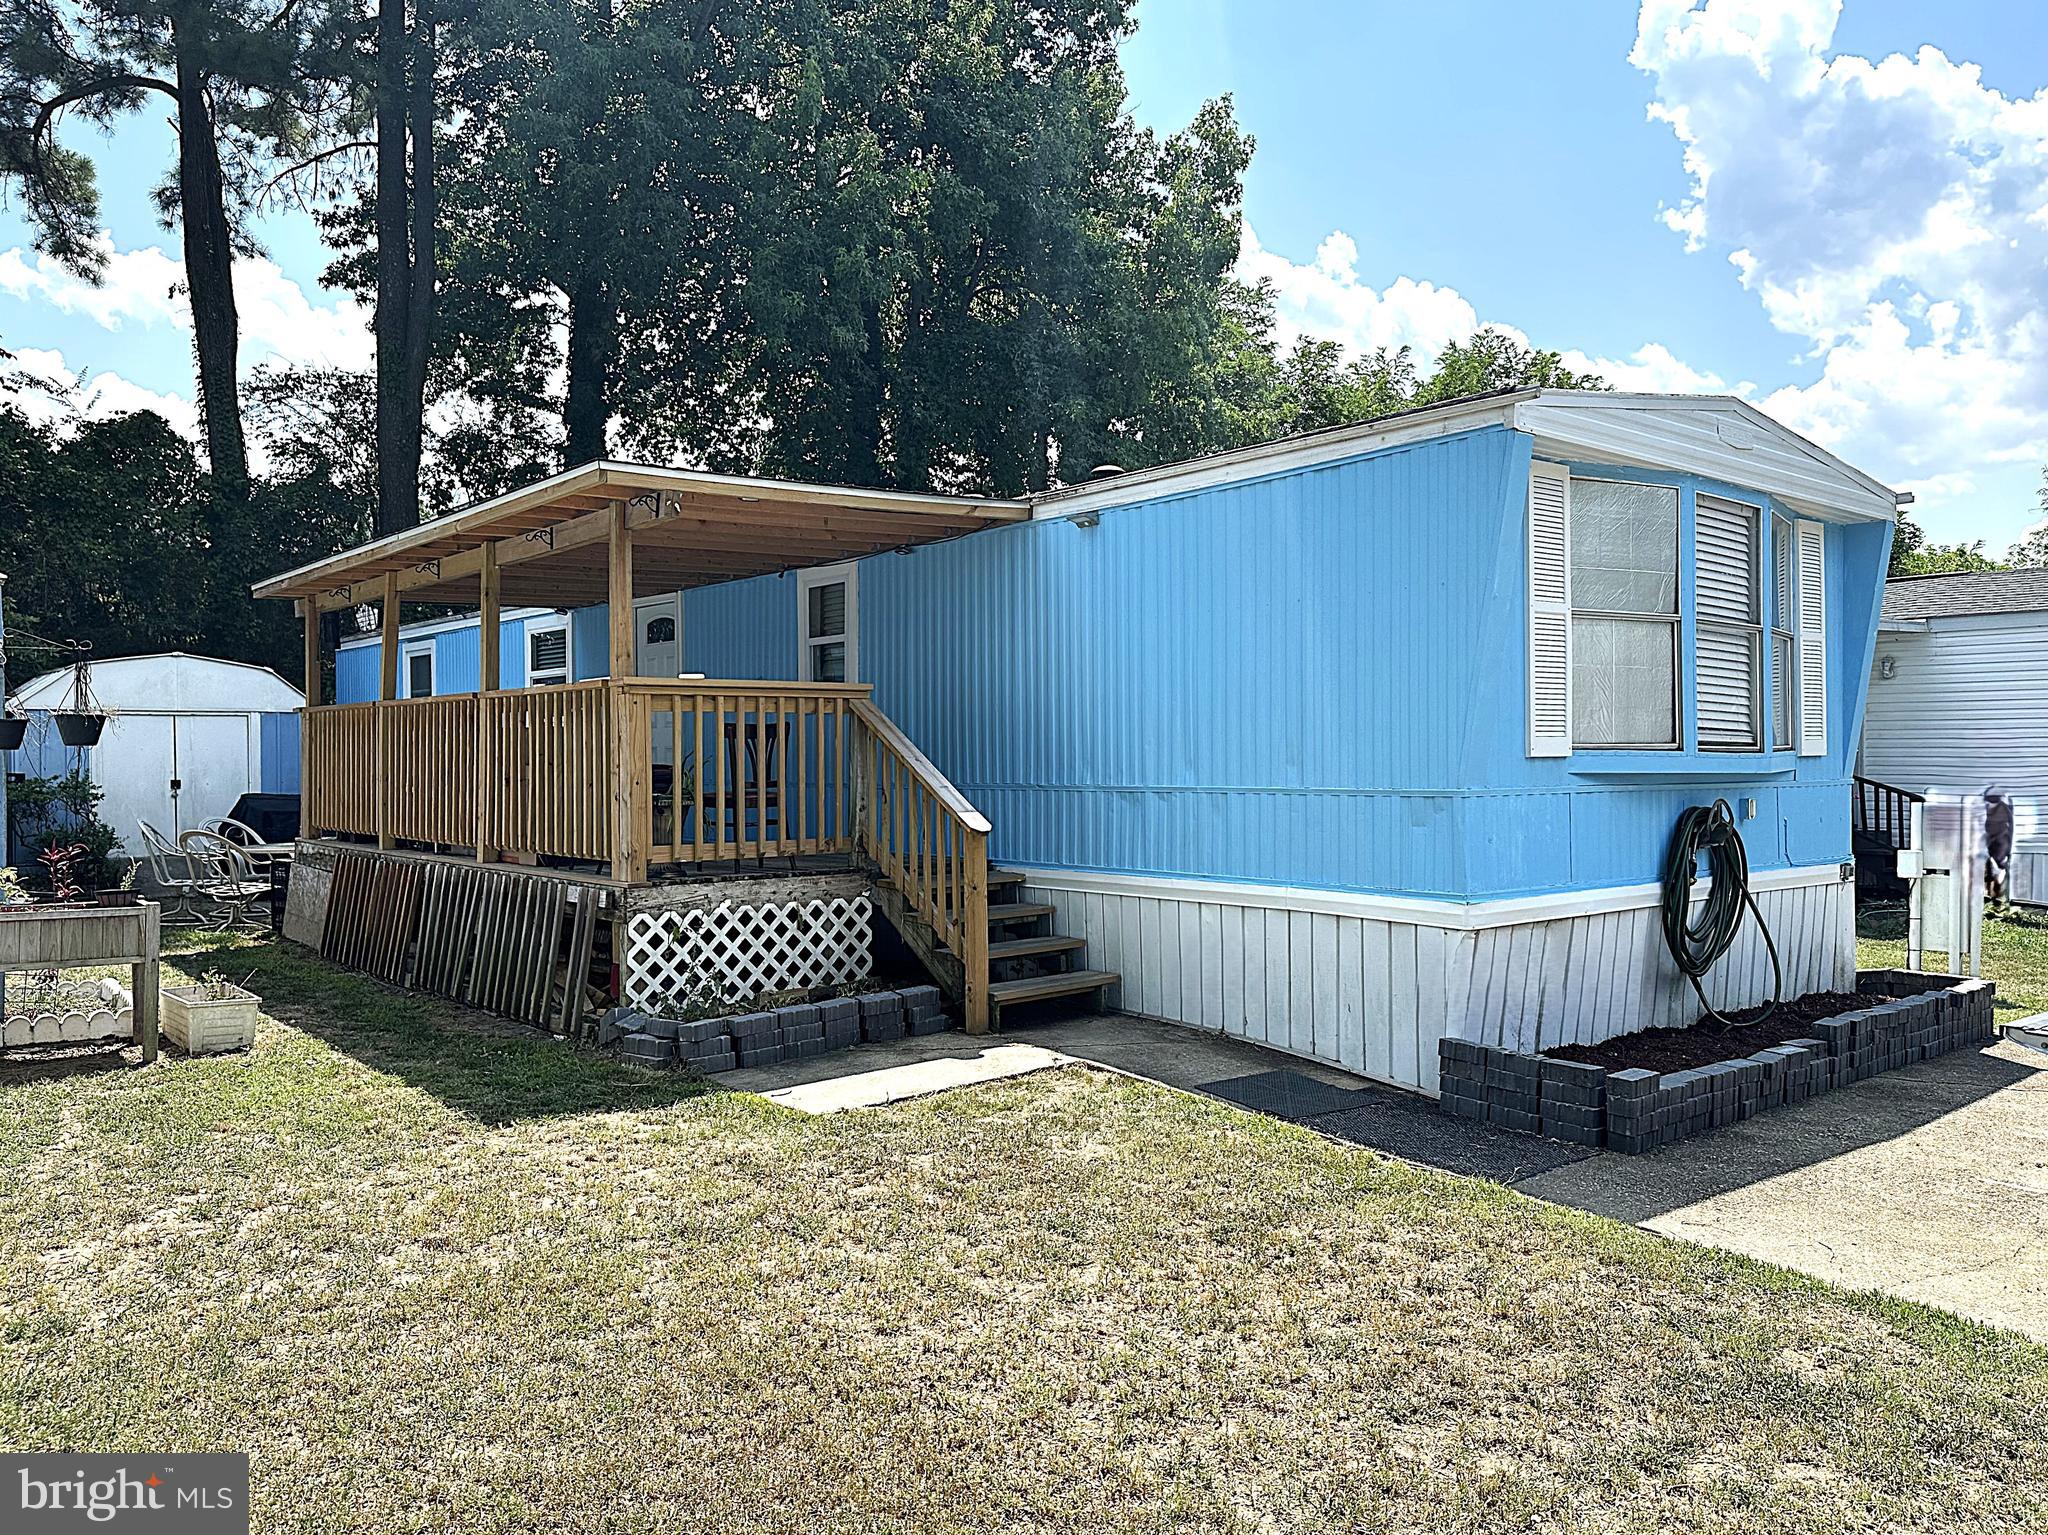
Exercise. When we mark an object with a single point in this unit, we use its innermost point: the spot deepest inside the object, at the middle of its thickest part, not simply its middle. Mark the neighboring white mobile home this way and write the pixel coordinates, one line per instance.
(1959, 700)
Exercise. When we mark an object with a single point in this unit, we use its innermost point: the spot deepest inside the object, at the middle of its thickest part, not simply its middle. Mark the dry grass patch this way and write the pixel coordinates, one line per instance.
(442, 1276)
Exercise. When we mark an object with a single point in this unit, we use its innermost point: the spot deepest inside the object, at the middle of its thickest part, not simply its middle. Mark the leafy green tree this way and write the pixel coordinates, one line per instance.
(234, 72)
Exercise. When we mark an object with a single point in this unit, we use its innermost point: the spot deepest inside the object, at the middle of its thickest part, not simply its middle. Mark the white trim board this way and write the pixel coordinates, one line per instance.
(1452, 916)
(1716, 437)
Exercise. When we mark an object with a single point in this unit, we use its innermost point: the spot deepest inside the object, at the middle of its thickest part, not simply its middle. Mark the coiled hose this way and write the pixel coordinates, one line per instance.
(1696, 942)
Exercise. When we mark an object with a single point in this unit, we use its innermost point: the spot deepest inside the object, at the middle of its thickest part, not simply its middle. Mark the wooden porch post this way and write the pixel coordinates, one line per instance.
(620, 594)
(309, 611)
(974, 924)
(387, 634)
(487, 611)
(486, 682)
(387, 689)
(631, 821)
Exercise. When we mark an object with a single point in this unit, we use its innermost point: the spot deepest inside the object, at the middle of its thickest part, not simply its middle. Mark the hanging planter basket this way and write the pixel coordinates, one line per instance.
(80, 729)
(13, 730)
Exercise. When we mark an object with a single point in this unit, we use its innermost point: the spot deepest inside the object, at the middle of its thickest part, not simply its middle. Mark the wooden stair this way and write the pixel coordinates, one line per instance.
(1027, 962)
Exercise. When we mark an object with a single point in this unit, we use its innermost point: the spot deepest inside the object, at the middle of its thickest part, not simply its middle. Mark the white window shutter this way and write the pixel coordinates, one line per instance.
(1725, 602)
(1813, 640)
(1550, 610)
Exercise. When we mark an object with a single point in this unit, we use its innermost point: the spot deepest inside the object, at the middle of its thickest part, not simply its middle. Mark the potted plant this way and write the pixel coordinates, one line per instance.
(211, 1015)
(123, 894)
(13, 731)
(79, 729)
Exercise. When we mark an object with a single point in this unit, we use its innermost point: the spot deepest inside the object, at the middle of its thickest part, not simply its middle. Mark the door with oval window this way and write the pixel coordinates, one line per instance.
(658, 652)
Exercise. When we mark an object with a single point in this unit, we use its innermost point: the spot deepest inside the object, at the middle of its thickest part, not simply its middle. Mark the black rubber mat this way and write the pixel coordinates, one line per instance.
(1287, 1094)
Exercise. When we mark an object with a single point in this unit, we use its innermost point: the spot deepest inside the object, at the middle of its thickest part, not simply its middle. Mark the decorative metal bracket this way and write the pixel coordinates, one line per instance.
(342, 593)
(540, 536)
(428, 568)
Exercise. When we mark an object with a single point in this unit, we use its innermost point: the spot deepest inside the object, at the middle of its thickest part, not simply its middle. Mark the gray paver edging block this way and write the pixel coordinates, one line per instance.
(796, 1031)
(1634, 1110)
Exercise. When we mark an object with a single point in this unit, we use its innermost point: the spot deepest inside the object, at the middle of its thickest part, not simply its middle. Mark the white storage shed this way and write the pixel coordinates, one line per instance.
(1959, 700)
(185, 737)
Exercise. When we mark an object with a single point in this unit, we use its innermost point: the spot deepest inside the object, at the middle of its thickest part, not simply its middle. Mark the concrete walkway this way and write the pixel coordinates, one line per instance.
(1929, 1183)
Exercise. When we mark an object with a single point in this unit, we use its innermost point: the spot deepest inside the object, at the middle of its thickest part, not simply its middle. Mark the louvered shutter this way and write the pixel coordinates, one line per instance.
(1550, 611)
(1813, 640)
(1727, 635)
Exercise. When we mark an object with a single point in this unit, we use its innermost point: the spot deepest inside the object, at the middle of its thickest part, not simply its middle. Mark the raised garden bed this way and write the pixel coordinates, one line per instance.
(1640, 1091)
(790, 1033)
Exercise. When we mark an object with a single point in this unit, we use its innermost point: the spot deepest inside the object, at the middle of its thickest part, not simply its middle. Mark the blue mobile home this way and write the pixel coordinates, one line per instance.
(1358, 739)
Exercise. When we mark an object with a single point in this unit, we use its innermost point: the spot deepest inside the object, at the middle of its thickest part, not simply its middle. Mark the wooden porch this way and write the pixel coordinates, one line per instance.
(627, 782)
(639, 779)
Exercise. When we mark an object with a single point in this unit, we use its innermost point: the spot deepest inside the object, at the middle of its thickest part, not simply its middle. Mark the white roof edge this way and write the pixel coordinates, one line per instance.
(1902, 626)
(1855, 496)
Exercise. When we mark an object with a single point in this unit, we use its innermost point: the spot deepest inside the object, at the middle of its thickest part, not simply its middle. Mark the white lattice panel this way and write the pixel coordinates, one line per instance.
(747, 949)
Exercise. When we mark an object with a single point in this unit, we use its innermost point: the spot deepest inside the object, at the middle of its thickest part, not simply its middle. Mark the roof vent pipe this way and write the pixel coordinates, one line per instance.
(1105, 471)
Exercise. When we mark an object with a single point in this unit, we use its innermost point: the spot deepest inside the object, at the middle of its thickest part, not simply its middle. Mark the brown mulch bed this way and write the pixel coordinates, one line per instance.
(1707, 1042)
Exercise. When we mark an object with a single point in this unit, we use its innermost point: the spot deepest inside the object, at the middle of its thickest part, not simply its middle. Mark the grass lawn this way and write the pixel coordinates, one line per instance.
(2015, 953)
(441, 1276)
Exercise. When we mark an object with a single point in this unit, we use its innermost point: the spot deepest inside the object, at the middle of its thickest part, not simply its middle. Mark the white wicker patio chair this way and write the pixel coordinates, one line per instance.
(234, 897)
(177, 884)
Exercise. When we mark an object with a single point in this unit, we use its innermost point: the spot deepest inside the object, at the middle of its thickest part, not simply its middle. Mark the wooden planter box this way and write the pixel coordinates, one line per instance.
(200, 1024)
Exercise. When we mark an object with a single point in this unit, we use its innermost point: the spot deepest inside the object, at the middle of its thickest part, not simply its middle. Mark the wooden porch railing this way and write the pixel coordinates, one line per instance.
(930, 843)
(742, 769)
(1886, 811)
(648, 771)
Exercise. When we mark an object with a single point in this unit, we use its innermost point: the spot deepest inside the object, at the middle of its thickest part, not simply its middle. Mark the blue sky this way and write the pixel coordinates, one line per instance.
(1581, 173)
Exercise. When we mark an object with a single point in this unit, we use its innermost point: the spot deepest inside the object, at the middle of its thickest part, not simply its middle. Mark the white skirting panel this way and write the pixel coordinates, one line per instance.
(1372, 985)
(2027, 880)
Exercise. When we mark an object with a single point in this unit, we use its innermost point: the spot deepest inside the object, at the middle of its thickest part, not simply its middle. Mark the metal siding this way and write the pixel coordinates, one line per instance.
(278, 754)
(355, 674)
(1266, 681)
(456, 652)
(1966, 710)
(745, 629)
(590, 643)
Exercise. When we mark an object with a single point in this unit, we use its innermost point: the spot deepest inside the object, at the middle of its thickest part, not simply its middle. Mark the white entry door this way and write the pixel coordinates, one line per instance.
(658, 652)
(658, 635)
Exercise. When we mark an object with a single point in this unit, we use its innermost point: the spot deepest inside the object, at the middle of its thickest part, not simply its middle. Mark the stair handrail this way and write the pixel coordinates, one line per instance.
(1890, 815)
(930, 843)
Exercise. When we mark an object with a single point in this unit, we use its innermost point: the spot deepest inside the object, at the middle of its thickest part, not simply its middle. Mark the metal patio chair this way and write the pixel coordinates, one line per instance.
(177, 882)
(229, 886)
(244, 836)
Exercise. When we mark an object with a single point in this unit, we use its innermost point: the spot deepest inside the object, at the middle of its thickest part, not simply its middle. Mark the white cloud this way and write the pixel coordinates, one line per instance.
(96, 395)
(279, 322)
(1328, 300)
(1892, 214)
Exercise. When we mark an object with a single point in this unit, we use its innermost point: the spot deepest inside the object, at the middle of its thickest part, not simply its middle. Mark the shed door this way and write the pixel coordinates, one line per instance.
(214, 761)
(131, 764)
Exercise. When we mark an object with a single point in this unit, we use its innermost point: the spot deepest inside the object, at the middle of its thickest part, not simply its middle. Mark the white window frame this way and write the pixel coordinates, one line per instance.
(1675, 619)
(408, 652)
(558, 624)
(847, 572)
(1784, 589)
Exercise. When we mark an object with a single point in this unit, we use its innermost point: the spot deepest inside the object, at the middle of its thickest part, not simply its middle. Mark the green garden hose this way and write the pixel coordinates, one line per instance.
(1696, 942)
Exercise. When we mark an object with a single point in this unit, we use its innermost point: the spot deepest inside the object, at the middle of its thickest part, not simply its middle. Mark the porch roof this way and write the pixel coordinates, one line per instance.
(688, 528)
